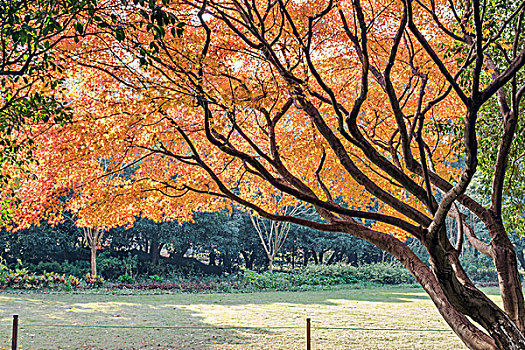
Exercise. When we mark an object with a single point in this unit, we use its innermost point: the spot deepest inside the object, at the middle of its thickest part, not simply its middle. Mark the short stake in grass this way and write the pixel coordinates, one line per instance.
(308, 335)
(14, 339)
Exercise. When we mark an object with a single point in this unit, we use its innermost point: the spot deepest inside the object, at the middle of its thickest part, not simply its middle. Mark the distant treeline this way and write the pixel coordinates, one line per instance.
(213, 243)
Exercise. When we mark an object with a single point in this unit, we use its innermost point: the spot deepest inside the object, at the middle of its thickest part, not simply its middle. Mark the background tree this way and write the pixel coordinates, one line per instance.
(93, 238)
(273, 234)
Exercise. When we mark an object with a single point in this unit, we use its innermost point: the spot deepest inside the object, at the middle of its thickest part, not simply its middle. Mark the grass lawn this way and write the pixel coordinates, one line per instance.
(370, 308)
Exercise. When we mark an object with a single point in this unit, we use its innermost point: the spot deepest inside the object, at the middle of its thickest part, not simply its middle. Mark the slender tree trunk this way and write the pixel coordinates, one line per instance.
(270, 263)
(93, 249)
(212, 256)
(293, 257)
(316, 260)
(93, 237)
(332, 258)
(305, 256)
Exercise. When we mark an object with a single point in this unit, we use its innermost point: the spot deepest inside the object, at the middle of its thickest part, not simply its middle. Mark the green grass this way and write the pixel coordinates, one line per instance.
(369, 308)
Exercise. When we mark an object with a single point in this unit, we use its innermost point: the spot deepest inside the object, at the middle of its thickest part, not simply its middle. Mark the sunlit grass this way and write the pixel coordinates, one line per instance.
(370, 309)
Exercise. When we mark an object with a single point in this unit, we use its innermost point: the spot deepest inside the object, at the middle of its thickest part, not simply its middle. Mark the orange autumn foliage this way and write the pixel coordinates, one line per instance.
(124, 156)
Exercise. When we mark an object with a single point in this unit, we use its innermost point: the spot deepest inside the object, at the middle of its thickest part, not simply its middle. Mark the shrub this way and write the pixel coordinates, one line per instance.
(155, 278)
(326, 275)
(266, 280)
(76, 268)
(384, 273)
(17, 279)
(125, 278)
(93, 280)
(381, 273)
(110, 267)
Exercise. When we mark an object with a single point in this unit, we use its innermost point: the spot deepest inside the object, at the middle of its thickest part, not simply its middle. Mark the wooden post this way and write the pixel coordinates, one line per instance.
(308, 335)
(14, 339)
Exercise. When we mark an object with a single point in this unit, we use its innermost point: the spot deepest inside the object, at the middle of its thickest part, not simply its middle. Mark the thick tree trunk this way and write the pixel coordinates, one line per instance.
(504, 257)
(226, 262)
(461, 293)
(248, 259)
(352, 258)
(154, 251)
(453, 293)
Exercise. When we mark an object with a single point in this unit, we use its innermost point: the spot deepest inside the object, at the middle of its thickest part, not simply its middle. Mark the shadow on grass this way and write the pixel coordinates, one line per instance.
(111, 322)
(199, 316)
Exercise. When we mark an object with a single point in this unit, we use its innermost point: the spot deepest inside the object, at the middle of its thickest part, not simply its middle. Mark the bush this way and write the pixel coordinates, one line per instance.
(266, 280)
(330, 274)
(18, 279)
(125, 278)
(93, 280)
(110, 267)
(384, 273)
(76, 268)
(380, 273)
(326, 275)
(155, 278)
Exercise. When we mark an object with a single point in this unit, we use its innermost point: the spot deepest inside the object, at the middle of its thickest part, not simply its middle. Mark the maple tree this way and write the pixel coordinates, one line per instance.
(187, 105)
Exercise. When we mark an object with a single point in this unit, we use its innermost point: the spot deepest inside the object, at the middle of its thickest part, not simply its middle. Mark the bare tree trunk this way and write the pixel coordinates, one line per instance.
(93, 237)
(504, 257)
(316, 260)
(467, 299)
(306, 255)
(154, 251)
(93, 249)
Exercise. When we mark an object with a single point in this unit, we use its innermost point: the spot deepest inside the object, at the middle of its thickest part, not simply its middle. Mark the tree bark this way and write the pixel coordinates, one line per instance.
(464, 297)
(154, 251)
(93, 260)
(270, 263)
(504, 257)
(305, 256)
(212, 256)
(316, 260)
